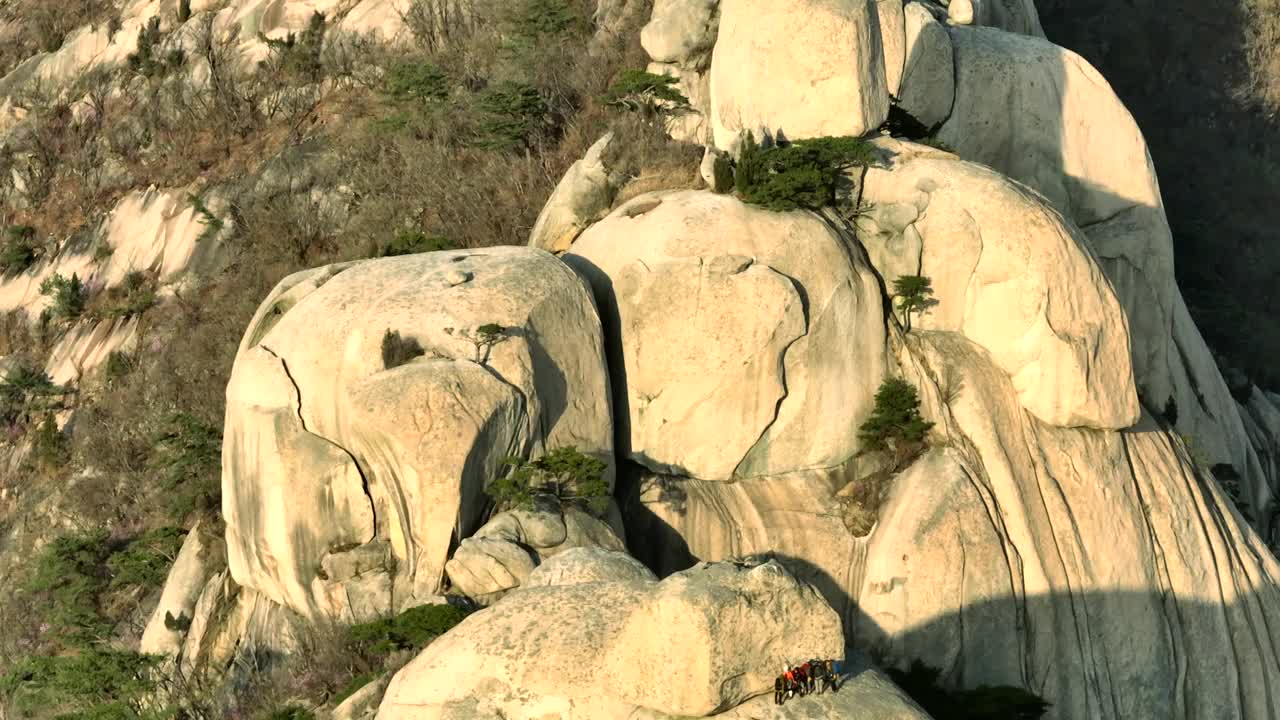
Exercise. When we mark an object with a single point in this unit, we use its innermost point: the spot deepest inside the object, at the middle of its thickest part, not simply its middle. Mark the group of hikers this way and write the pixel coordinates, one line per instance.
(807, 677)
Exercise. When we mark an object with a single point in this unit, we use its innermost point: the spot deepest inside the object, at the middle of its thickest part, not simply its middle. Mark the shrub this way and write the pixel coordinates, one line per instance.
(187, 456)
(18, 253)
(804, 174)
(642, 91)
(564, 473)
(25, 390)
(416, 82)
(515, 116)
(145, 561)
(914, 295)
(895, 421)
(397, 350)
(49, 444)
(67, 297)
(412, 629)
(297, 55)
(412, 242)
(96, 683)
(146, 60)
(118, 365)
(135, 295)
(69, 577)
(1002, 702)
(535, 23)
(212, 223)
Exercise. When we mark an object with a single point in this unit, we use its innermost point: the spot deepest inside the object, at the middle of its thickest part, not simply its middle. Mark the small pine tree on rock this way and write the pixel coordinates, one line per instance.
(914, 293)
(895, 423)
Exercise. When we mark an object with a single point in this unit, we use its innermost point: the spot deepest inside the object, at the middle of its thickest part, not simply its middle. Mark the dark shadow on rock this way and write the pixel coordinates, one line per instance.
(1182, 69)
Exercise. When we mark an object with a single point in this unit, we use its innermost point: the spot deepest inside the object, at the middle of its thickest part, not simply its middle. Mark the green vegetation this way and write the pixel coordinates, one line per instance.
(67, 297)
(69, 576)
(18, 251)
(25, 392)
(416, 82)
(118, 365)
(914, 294)
(145, 561)
(1002, 702)
(49, 445)
(645, 92)
(895, 422)
(97, 683)
(397, 350)
(135, 295)
(515, 118)
(564, 473)
(187, 454)
(213, 224)
(299, 55)
(484, 338)
(804, 174)
(412, 629)
(482, 143)
(147, 60)
(184, 10)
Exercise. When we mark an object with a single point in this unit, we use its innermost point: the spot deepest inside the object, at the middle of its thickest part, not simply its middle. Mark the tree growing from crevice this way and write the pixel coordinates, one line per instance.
(564, 473)
(914, 294)
(895, 423)
(483, 338)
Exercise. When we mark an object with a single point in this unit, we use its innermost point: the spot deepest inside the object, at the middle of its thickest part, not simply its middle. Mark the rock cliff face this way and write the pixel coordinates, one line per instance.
(1057, 533)
(347, 475)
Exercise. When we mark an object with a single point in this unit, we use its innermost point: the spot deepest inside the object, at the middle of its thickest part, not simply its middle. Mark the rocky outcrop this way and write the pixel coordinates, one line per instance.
(729, 628)
(1012, 275)
(713, 309)
(1043, 116)
(864, 693)
(200, 558)
(581, 565)
(928, 86)
(584, 195)
(797, 68)
(346, 475)
(501, 555)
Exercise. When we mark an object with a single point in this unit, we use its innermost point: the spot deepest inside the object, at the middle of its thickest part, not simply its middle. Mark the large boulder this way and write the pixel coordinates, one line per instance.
(864, 693)
(346, 476)
(682, 32)
(928, 86)
(700, 642)
(502, 554)
(1085, 536)
(582, 565)
(798, 68)
(1011, 274)
(715, 310)
(200, 558)
(1043, 116)
(583, 196)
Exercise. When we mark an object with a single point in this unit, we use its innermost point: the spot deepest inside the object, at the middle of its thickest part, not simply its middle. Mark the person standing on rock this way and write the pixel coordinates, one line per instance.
(810, 676)
(830, 675)
(779, 688)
